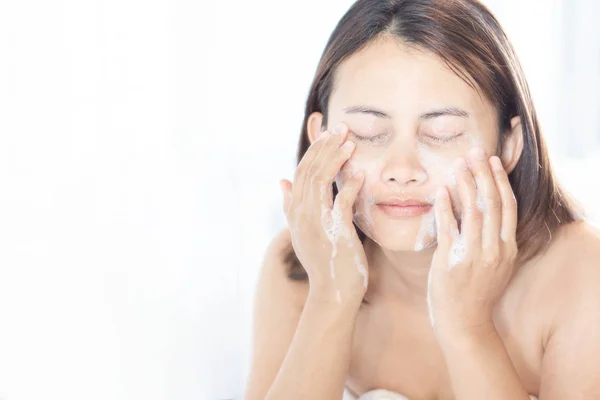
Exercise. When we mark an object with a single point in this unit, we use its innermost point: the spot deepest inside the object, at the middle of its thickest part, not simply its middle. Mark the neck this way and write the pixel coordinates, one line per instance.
(399, 275)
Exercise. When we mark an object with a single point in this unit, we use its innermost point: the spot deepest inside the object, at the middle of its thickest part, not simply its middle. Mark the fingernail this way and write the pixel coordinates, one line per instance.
(478, 152)
(496, 163)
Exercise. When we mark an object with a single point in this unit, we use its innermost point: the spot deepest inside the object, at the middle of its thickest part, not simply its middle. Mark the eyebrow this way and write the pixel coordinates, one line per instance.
(452, 111)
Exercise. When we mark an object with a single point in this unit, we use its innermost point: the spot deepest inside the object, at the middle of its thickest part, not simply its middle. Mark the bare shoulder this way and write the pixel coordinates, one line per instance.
(569, 271)
(582, 244)
(577, 248)
(563, 300)
(554, 283)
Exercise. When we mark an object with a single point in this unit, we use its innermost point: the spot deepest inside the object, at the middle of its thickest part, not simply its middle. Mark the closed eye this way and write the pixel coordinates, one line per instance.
(442, 139)
(370, 138)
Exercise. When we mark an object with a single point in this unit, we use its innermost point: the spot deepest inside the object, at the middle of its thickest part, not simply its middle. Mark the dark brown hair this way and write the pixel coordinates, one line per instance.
(469, 39)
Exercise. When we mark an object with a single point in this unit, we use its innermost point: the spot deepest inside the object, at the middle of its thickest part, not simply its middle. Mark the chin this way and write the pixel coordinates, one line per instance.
(401, 245)
(414, 234)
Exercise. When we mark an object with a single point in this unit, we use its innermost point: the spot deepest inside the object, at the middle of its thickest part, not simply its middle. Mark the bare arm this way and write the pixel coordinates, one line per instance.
(302, 339)
(302, 352)
(480, 367)
(317, 362)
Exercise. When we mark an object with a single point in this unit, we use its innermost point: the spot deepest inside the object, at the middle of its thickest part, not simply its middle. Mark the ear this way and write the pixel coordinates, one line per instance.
(512, 146)
(314, 126)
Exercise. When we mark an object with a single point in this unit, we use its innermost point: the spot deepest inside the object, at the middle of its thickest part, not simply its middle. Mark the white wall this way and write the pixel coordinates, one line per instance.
(141, 145)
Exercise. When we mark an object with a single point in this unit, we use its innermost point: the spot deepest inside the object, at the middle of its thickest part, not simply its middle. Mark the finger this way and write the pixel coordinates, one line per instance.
(471, 218)
(330, 167)
(325, 176)
(304, 166)
(509, 202)
(488, 200)
(318, 183)
(446, 225)
(345, 199)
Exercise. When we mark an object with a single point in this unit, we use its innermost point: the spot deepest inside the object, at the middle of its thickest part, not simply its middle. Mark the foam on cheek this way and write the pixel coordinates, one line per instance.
(363, 216)
(474, 140)
(427, 231)
(430, 160)
(364, 201)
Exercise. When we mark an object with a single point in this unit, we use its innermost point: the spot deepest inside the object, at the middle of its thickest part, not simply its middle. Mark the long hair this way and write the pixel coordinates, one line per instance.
(469, 39)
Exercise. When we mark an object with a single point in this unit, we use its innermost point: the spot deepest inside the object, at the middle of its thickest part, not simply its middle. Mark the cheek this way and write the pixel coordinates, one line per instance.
(438, 166)
(369, 167)
(440, 171)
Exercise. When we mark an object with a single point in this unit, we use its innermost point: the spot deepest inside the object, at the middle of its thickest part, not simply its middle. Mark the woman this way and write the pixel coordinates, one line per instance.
(450, 264)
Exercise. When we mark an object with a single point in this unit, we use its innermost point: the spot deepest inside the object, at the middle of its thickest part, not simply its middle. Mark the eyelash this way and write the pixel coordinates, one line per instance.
(432, 138)
(370, 138)
(443, 140)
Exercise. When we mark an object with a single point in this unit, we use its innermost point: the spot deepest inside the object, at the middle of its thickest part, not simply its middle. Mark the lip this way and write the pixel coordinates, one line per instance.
(404, 211)
(404, 208)
(403, 203)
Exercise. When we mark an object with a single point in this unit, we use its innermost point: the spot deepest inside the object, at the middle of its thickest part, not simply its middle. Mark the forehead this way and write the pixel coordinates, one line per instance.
(396, 77)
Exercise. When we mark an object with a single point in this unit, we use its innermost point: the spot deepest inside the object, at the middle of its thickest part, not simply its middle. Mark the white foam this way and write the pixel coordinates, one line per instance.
(458, 251)
(450, 177)
(331, 264)
(432, 160)
(454, 231)
(427, 230)
(480, 200)
(368, 217)
(333, 224)
(503, 235)
(334, 227)
(362, 269)
(429, 306)
(474, 140)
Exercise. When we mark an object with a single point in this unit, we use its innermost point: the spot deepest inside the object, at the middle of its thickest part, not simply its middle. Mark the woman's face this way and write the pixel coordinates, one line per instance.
(430, 118)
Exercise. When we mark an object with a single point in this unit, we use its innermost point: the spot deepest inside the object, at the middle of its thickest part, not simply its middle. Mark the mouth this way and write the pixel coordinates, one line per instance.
(404, 209)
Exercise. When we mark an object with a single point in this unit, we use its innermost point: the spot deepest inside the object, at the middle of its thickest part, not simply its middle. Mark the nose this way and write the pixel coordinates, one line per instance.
(402, 166)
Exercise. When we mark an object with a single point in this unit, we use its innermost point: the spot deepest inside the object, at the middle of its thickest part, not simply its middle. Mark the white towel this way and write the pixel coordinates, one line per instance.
(381, 394)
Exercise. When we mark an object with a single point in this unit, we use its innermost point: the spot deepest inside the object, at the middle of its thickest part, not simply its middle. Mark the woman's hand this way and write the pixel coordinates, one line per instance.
(471, 268)
(323, 236)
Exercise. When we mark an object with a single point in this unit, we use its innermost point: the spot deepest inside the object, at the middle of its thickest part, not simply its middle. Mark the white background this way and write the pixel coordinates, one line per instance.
(141, 143)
